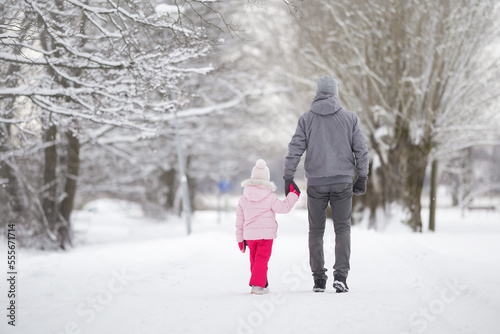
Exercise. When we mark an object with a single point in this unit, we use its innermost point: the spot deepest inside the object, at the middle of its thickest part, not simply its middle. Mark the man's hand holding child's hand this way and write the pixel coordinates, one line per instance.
(293, 190)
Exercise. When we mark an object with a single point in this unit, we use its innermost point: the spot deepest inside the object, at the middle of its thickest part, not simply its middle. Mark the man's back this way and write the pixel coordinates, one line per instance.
(333, 142)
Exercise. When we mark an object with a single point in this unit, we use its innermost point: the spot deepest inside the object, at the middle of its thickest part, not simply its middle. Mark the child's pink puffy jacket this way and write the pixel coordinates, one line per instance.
(257, 208)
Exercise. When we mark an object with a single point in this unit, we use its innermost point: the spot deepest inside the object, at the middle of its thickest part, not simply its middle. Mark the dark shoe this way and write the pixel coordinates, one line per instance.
(319, 285)
(340, 283)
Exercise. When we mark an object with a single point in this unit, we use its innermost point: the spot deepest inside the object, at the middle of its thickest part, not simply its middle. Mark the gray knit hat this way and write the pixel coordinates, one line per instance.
(327, 85)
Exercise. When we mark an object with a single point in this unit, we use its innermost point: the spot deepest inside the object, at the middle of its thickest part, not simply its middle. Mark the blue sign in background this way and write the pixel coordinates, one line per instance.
(225, 186)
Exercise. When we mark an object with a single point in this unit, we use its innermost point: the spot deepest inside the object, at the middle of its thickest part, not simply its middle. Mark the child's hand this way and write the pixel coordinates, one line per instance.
(289, 183)
(295, 191)
(242, 246)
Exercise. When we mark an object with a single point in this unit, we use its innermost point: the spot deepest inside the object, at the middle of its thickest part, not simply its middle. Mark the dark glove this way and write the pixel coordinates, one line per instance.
(287, 186)
(359, 187)
(243, 246)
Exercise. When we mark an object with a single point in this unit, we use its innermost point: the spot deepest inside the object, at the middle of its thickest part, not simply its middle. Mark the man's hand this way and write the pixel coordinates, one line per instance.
(359, 187)
(289, 183)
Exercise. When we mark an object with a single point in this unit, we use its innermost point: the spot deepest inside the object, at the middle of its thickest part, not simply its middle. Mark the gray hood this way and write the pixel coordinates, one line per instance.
(325, 104)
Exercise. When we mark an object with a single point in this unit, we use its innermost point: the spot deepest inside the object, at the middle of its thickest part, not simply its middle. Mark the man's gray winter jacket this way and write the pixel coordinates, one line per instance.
(334, 143)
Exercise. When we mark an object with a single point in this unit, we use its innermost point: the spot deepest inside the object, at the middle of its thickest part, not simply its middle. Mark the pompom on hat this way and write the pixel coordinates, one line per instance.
(261, 171)
(327, 85)
(260, 176)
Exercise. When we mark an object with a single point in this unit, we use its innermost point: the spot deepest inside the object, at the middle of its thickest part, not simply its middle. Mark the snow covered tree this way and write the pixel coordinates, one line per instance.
(75, 71)
(410, 70)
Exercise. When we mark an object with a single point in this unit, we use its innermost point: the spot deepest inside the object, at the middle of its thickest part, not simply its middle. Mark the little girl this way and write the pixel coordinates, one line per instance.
(256, 224)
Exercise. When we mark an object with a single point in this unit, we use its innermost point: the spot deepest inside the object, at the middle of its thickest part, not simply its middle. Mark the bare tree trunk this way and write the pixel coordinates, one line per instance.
(433, 195)
(406, 175)
(169, 180)
(413, 189)
(49, 194)
(191, 182)
(73, 166)
(376, 197)
(455, 184)
(466, 178)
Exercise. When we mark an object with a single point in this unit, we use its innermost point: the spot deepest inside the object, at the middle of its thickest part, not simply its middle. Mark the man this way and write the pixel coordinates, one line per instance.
(335, 149)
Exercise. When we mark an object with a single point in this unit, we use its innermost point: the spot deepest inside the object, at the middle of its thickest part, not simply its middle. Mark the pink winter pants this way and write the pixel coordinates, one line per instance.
(260, 252)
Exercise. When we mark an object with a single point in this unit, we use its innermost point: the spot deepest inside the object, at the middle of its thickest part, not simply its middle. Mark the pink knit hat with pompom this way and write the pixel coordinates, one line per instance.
(260, 171)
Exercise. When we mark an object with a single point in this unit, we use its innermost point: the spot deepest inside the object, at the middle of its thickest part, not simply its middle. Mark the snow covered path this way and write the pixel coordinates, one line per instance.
(137, 277)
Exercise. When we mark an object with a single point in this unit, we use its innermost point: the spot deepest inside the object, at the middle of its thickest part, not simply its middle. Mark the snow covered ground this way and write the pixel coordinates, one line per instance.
(131, 275)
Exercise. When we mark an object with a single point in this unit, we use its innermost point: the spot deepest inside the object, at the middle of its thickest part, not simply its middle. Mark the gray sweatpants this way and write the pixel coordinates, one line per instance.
(340, 198)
